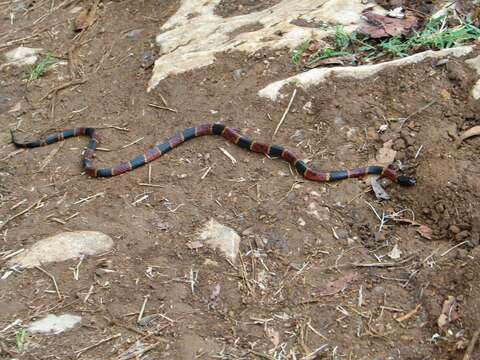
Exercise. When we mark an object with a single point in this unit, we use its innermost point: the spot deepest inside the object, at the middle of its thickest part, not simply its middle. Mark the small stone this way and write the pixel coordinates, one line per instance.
(148, 59)
(454, 229)
(308, 108)
(298, 136)
(409, 140)
(378, 290)
(342, 234)
(462, 235)
(301, 222)
(340, 121)
(475, 239)
(221, 237)
(372, 134)
(133, 34)
(399, 144)
(61, 247)
(22, 56)
(238, 73)
(53, 325)
(440, 208)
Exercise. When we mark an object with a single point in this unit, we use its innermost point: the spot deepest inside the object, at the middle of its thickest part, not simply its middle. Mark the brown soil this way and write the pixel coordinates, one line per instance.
(296, 269)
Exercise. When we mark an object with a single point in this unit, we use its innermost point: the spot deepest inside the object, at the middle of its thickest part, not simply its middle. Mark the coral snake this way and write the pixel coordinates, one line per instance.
(209, 129)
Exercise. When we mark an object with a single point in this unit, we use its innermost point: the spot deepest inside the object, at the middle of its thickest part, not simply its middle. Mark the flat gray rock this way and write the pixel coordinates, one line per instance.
(220, 237)
(61, 247)
(53, 324)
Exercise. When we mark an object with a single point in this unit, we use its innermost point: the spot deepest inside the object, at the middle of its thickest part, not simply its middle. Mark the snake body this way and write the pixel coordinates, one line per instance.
(208, 129)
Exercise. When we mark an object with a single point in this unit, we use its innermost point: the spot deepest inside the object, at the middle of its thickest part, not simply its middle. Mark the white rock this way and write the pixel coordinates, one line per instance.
(188, 42)
(395, 253)
(21, 56)
(61, 247)
(319, 75)
(53, 325)
(474, 63)
(220, 237)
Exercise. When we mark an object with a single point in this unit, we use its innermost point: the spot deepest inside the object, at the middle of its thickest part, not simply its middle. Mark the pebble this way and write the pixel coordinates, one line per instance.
(62, 247)
(238, 73)
(462, 235)
(440, 208)
(399, 144)
(298, 136)
(475, 239)
(454, 229)
(340, 121)
(308, 108)
(378, 290)
(133, 34)
(53, 324)
(372, 134)
(220, 237)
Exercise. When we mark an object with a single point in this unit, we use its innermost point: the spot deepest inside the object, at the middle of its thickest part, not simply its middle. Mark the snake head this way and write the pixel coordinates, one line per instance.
(405, 180)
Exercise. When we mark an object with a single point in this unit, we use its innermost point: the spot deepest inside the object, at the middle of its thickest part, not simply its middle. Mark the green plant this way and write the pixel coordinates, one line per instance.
(21, 339)
(297, 53)
(39, 69)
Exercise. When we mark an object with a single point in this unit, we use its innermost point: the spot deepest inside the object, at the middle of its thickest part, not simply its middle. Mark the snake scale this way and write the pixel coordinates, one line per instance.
(209, 129)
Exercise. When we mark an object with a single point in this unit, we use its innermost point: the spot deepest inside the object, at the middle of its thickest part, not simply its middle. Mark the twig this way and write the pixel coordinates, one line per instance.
(409, 314)
(227, 154)
(137, 353)
(142, 310)
(133, 142)
(53, 279)
(423, 108)
(88, 198)
(81, 351)
(385, 264)
(454, 247)
(163, 107)
(471, 345)
(285, 113)
(37, 203)
(61, 87)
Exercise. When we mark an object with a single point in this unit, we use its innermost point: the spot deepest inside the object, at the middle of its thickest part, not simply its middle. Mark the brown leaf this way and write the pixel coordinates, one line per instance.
(474, 131)
(335, 286)
(425, 231)
(384, 26)
(86, 17)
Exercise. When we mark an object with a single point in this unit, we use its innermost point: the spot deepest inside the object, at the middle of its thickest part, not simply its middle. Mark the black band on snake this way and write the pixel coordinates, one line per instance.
(209, 129)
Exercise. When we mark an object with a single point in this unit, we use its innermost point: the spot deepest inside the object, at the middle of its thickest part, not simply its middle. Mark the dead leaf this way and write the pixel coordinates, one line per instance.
(336, 286)
(449, 312)
(474, 131)
(384, 26)
(425, 232)
(86, 17)
(386, 155)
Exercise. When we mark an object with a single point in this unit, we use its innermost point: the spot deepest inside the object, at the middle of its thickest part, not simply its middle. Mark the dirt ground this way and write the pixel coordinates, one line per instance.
(314, 279)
